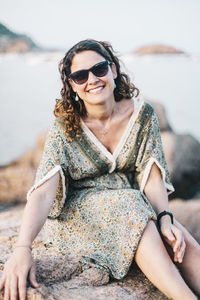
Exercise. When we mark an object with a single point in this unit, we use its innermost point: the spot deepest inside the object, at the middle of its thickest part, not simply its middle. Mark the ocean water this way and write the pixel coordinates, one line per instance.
(30, 83)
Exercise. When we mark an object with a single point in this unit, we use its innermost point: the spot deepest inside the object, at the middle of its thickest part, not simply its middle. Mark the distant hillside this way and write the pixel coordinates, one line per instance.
(14, 42)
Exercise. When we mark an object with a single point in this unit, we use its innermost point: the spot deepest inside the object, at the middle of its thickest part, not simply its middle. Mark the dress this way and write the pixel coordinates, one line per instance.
(100, 210)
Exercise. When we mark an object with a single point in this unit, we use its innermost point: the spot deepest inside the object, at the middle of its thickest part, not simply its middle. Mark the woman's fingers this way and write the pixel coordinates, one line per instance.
(169, 235)
(7, 289)
(179, 237)
(32, 277)
(13, 287)
(2, 281)
(22, 286)
(181, 252)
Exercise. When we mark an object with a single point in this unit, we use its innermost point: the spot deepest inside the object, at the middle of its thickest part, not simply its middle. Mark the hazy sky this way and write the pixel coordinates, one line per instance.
(127, 24)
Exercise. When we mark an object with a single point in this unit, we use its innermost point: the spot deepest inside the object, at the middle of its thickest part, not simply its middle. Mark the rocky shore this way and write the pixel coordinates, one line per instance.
(61, 278)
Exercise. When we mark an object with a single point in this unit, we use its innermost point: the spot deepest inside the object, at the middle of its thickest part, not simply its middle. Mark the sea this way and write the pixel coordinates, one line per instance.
(30, 84)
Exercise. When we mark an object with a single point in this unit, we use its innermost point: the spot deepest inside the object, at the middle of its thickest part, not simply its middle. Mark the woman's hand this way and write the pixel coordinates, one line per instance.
(174, 237)
(17, 270)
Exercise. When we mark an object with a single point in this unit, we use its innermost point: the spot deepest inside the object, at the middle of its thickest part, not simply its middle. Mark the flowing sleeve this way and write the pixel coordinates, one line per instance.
(150, 152)
(54, 159)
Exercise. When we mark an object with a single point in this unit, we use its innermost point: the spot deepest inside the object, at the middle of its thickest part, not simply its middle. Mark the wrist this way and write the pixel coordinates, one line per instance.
(164, 217)
(22, 245)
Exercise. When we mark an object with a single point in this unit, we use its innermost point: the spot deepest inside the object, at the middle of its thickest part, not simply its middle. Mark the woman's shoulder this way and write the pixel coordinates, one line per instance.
(145, 111)
(58, 129)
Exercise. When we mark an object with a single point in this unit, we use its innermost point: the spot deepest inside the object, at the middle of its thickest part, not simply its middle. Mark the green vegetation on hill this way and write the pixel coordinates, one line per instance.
(14, 42)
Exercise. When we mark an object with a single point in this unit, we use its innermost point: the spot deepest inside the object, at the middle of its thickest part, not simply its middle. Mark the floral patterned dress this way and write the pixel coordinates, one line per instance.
(100, 211)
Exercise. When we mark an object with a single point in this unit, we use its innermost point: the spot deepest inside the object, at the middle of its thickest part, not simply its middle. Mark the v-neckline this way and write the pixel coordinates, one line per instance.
(113, 156)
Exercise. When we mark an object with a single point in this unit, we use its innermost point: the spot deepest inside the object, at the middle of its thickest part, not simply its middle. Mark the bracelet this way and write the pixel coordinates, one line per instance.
(163, 213)
(25, 246)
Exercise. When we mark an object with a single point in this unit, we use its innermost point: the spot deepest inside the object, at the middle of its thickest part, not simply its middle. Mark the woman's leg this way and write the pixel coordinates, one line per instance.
(153, 259)
(190, 267)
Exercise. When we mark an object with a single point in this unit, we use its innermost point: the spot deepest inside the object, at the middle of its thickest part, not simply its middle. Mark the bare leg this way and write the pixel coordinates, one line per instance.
(190, 267)
(152, 258)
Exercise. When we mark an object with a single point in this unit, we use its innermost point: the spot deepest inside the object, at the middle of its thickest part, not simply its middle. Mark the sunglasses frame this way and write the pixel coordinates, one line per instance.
(90, 70)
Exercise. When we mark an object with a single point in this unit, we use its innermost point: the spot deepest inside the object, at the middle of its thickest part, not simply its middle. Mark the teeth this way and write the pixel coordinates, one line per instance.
(96, 90)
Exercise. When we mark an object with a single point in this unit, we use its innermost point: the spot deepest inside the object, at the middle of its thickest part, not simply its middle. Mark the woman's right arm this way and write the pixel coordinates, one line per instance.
(20, 266)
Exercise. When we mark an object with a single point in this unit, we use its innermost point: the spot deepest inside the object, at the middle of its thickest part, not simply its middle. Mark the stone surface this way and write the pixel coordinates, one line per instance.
(162, 115)
(17, 177)
(186, 166)
(188, 214)
(61, 278)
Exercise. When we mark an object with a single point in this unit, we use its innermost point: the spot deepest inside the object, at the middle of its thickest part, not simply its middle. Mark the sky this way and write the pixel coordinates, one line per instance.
(127, 24)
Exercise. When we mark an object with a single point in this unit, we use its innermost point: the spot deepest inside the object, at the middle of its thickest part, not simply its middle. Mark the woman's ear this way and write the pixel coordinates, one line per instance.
(72, 85)
(114, 70)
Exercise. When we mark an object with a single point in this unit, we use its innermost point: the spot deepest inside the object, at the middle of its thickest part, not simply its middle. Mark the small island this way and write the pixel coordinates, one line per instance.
(157, 49)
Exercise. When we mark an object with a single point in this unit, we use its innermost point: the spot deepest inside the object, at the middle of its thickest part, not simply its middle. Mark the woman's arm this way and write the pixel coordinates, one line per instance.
(37, 210)
(20, 266)
(156, 193)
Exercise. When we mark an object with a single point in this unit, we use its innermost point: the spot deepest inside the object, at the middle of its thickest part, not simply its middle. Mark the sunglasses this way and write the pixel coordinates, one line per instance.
(99, 70)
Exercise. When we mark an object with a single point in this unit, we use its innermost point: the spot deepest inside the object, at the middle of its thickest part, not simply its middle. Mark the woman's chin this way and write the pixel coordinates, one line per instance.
(98, 98)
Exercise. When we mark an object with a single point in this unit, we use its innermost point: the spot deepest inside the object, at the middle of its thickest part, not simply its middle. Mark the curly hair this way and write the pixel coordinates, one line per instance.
(70, 110)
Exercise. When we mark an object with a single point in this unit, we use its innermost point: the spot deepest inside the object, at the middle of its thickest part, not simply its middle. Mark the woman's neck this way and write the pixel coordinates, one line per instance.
(101, 112)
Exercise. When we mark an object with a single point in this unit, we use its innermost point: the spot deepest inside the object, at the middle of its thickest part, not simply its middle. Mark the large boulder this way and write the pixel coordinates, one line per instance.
(188, 214)
(62, 278)
(17, 177)
(182, 152)
(183, 158)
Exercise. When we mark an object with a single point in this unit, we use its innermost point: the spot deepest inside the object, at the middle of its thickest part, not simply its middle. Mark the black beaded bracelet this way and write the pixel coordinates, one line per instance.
(163, 213)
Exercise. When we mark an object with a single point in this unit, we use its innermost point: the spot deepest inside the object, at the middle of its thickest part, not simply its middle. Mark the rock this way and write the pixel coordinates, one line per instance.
(17, 177)
(188, 214)
(182, 154)
(62, 278)
(162, 116)
(183, 158)
(157, 49)
(186, 166)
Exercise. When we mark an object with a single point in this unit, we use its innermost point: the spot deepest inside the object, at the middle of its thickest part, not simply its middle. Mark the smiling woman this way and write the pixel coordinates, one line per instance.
(80, 58)
(102, 184)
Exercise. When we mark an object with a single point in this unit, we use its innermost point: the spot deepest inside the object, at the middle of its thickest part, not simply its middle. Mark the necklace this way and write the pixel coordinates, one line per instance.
(105, 130)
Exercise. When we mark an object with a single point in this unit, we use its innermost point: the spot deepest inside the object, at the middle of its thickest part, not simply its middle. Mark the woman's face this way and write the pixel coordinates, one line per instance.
(95, 90)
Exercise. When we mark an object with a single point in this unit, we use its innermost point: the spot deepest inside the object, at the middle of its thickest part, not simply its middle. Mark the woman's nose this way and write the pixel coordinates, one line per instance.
(92, 78)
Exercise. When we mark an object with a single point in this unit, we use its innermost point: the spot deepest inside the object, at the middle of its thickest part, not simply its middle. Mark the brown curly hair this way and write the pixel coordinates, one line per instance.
(70, 110)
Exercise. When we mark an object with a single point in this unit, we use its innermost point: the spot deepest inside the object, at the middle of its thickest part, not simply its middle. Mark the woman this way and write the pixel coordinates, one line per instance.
(102, 182)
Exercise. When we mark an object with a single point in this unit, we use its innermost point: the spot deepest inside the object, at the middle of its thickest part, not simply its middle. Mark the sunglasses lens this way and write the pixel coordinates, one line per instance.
(100, 69)
(80, 77)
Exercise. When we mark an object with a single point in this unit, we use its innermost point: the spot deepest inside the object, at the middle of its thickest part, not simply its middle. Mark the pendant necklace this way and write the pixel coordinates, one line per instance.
(106, 128)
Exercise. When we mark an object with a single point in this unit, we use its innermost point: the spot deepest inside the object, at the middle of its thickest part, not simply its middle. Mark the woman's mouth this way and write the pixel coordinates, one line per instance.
(96, 90)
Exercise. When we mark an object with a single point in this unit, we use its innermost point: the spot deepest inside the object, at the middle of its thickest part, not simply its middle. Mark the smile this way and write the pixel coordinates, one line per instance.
(96, 90)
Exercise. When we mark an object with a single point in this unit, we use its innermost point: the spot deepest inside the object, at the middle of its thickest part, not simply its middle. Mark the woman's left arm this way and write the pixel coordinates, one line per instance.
(156, 193)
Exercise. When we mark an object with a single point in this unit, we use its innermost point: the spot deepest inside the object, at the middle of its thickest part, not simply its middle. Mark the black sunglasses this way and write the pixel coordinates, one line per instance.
(99, 70)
